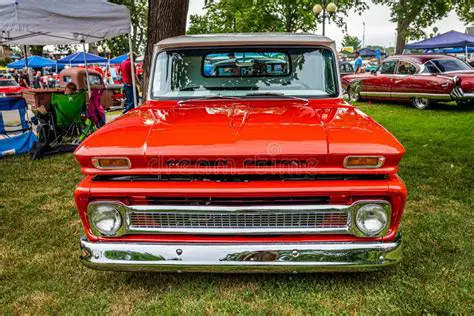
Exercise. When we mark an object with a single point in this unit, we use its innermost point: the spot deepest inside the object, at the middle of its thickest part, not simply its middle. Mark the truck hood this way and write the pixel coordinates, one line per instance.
(240, 134)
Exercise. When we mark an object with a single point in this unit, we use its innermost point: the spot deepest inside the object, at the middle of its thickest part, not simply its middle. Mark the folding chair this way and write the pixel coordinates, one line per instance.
(16, 136)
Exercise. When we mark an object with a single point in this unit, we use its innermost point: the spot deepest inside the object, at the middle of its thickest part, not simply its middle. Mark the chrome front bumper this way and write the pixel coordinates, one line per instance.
(239, 258)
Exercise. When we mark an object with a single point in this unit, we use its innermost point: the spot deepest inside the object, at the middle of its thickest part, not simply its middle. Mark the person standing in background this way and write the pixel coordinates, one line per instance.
(24, 80)
(16, 76)
(358, 62)
(37, 84)
(126, 72)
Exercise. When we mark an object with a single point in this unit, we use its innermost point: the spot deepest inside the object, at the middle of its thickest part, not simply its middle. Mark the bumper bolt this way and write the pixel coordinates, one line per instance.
(295, 253)
(179, 252)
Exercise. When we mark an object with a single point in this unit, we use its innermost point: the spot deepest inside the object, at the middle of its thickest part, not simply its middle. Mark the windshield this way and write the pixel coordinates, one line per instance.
(8, 83)
(306, 72)
(450, 64)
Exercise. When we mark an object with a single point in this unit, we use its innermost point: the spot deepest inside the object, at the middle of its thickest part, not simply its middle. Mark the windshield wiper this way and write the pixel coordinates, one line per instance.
(275, 94)
(211, 97)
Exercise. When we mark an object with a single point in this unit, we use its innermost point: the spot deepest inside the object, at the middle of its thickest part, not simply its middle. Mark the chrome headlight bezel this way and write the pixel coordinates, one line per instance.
(115, 209)
(384, 208)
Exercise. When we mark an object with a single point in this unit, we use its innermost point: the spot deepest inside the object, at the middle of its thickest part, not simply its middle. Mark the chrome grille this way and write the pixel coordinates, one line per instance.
(221, 220)
(255, 221)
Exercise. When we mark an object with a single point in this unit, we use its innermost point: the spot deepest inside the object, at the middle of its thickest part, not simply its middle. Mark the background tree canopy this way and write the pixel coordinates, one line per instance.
(139, 16)
(351, 41)
(412, 16)
(226, 16)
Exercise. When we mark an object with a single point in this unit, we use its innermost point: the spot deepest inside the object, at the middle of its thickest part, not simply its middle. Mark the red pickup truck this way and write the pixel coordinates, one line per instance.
(244, 158)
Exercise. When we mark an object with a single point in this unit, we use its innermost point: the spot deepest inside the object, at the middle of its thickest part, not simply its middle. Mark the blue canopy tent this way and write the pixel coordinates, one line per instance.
(118, 60)
(451, 39)
(16, 136)
(459, 50)
(33, 62)
(82, 58)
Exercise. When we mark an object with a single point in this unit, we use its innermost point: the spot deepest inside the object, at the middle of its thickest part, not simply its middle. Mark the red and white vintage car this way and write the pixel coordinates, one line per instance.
(9, 88)
(257, 166)
(421, 79)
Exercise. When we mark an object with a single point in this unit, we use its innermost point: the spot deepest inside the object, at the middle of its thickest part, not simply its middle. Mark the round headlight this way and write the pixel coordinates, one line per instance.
(371, 219)
(107, 219)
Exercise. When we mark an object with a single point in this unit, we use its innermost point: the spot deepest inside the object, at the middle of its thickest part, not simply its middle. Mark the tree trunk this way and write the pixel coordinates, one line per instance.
(400, 45)
(166, 18)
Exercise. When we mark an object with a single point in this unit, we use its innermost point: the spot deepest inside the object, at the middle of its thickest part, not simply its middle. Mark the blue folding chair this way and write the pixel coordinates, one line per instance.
(16, 136)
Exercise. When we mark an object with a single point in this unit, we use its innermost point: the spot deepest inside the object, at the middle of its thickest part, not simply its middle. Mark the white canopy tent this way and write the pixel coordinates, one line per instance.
(56, 22)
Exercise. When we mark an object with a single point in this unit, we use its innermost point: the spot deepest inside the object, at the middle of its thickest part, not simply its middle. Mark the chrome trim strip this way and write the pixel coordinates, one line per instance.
(437, 96)
(243, 231)
(172, 208)
(239, 258)
(350, 228)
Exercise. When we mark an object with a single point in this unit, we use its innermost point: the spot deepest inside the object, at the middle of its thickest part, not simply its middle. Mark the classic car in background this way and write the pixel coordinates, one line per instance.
(421, 79)
(262, 167)
(112, 92)
(9, 88)
(345, 68)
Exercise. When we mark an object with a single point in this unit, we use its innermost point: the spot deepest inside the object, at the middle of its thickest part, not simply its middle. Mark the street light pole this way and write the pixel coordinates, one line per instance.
(324, 17)
(363, 35)
(323, 11)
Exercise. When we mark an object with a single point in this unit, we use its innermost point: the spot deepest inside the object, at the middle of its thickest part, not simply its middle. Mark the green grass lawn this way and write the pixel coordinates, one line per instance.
(40, 230)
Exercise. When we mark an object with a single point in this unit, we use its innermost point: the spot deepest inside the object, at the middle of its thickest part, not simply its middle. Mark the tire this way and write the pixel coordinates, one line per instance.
(421, 103)
(353, 92)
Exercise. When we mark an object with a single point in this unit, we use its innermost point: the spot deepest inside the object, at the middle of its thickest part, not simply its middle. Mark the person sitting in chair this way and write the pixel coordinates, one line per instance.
(71, 88)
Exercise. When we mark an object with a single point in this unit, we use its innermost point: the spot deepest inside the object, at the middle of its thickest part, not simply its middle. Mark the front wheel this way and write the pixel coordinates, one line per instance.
(354, 92)
(421, 103)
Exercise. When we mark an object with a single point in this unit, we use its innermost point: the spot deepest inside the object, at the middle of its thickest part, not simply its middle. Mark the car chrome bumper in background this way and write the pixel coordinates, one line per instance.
(261, 257)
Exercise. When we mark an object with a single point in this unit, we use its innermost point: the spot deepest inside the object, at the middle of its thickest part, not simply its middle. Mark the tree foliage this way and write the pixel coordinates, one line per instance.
(226, 16)
(351, 41)
(139, 18)
(412, 16)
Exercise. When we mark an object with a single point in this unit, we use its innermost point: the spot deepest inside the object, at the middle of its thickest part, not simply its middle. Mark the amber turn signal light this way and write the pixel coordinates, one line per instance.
(111, 163)
(364, 161)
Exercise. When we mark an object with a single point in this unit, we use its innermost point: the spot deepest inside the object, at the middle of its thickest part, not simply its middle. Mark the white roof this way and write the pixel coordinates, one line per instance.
(239, 39)
(43, 22)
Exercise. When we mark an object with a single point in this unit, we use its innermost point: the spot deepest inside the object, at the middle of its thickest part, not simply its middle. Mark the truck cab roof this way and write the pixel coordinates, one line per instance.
(243, 39)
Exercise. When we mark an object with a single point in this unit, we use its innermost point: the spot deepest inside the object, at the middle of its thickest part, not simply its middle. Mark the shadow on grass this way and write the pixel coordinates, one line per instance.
(160, 280)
